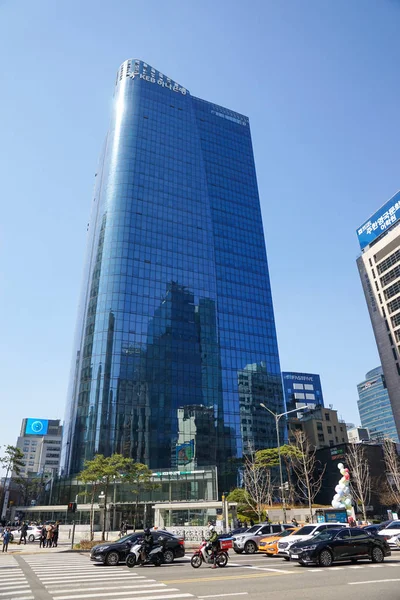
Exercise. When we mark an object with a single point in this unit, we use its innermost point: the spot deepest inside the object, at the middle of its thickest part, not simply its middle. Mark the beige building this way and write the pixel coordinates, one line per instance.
(321, 426)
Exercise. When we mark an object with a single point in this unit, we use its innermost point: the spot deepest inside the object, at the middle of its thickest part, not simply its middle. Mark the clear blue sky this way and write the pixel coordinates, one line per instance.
(320, 83)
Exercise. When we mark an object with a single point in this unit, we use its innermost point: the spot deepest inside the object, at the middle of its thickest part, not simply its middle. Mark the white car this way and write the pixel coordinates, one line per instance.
(305, 533)
(32, 534)
(390, 530)
(394, 542)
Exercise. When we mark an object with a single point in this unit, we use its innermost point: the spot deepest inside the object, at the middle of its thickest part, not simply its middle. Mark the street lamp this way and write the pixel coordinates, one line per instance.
(277, 418)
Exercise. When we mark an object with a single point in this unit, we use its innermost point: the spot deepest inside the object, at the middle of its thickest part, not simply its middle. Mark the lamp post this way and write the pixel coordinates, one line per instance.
(277, 418)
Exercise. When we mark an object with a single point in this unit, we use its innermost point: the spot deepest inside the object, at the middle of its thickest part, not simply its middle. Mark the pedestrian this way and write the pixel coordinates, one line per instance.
(24, 531)
(55, 534)
(245, 524)
(239, 523)
(294, 522)
(49, 535)
(42, 539)
(251, 522)
(122, 529)
(6, 539)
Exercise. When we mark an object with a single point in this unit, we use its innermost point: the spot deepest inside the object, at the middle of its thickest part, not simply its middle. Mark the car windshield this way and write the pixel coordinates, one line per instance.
(126, 538)
(327, 534)
(306, 530)
(253, 529)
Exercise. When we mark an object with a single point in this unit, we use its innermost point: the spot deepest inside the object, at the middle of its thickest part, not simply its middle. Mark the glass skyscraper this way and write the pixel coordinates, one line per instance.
(176, 310)
(374, 406)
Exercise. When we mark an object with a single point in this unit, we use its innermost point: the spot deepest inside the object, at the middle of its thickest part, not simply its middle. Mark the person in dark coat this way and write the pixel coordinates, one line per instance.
(24, 531)
(42, 539)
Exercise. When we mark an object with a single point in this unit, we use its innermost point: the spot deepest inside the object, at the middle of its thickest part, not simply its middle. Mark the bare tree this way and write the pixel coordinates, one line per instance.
(257, 484)
(360, 477)
(308, 469)
(392, 464)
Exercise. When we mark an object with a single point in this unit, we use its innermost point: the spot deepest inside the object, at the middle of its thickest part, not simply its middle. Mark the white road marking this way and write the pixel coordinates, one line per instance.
(314, 571)
(139, 598)
(21, 586)
(224, 595)
(102, 589)
(91, 577)
(15, 593)
(259, 568)
(356, 567)
(372, 581)
(376, 566)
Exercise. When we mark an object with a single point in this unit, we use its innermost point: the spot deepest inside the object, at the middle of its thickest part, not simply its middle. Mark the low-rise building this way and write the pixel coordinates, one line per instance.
(40, 442)
(322, 427)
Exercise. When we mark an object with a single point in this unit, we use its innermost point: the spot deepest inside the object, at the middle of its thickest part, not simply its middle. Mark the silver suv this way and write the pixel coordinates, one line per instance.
(248, 541)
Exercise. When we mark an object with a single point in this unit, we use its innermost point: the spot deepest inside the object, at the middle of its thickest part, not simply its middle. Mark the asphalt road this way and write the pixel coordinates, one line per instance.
(71, 576)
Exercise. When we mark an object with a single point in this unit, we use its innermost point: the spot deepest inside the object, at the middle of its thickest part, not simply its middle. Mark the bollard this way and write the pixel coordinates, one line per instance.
(73, 535)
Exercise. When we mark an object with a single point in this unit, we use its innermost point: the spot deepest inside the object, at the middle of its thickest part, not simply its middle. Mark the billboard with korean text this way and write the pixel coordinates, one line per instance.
(376, 225)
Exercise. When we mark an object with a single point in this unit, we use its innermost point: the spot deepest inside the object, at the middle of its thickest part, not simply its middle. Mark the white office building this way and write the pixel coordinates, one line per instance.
(379, 268)
(40, 442)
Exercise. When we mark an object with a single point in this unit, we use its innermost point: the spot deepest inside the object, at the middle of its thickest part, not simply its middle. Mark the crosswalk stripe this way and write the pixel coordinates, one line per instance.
(163, 597)
(20, 586)
(15, 593)
(102, 589)
(91, 577)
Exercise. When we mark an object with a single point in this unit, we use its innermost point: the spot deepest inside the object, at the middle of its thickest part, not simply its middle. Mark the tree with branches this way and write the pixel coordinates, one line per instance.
(257, 484)
(308, 469)
(139, 475)
(360, 477)
(13, 462)
(392, 465)
(270, 458)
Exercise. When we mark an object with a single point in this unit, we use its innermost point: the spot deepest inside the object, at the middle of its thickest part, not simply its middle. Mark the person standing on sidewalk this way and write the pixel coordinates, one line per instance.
(6, 539)
(42, 540)
(55, 534)
(24, 531)
(49, 535)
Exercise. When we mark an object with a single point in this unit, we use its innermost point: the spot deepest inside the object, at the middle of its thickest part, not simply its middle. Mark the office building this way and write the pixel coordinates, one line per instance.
(357, 435)
(321, 426)
(379, 268)
(40, 442)
(374, 406)
(301, 389)
(176, 299)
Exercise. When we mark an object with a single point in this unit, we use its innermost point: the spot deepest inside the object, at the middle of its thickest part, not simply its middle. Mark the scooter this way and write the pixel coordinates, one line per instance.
(155, 556)
(201, 555)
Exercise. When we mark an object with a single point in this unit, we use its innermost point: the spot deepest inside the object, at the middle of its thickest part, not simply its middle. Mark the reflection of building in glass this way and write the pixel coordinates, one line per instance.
(300, 389)
(374, 407)
(176, 296)
(197, 440)
(257, 386)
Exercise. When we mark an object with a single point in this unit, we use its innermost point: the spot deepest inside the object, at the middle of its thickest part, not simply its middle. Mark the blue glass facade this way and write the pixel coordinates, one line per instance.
(301, 388)
(374, 407)
(176, 302)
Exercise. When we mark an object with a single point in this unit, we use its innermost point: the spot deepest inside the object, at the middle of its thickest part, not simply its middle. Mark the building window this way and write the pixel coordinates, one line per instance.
(329, 428)
(321, 437)
(331, 443)
(319, 426)
(298, 386)
(327, 417)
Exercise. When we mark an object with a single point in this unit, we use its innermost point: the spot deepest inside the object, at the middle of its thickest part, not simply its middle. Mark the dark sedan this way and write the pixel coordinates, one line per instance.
(333, 545)
(112, 553)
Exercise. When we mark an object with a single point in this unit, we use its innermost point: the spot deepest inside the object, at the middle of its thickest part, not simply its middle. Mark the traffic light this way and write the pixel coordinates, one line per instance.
(71, 507)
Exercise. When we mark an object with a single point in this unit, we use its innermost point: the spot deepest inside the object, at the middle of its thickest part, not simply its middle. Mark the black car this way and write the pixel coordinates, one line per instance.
(332, 545)
(111, 553)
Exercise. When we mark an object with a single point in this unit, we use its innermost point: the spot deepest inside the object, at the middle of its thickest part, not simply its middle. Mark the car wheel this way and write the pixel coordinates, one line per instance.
(325, 558)
(130, 560)
(196, 561)
(31, 538)
(250, 548)
(377, 555)
(112, 559)
(168, 557)
(222, 560)
(238, 551)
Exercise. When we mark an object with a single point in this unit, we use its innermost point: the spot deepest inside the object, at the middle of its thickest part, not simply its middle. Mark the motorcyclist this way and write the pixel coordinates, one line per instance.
(213, 543)
(147, 544)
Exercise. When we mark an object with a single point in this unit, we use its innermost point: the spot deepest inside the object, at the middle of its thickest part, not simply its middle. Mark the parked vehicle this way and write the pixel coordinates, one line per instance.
(341, 544)
(113, 553)
(305, 533)
(135, 557)
(248, 541)
(393, 542)
(269, 545)
(232, 534)
(201, 555)
(393, 528)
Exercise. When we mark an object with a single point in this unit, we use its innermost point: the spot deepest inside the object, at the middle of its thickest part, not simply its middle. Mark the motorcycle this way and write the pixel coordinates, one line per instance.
(154, 557)
(201, 555)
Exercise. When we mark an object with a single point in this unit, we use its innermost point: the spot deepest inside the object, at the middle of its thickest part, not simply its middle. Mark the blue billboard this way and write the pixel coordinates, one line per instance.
(36, 426)
(376, 225)
(301, 388)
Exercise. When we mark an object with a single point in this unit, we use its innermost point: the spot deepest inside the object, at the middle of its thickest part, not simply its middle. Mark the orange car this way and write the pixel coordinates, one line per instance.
(269, 545)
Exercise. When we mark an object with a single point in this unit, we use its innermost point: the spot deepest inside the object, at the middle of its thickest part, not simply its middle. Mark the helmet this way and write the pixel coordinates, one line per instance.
(146, 531)
(211, 528)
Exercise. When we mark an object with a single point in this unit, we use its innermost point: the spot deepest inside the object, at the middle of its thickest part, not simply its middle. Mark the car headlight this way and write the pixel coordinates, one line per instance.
(101, 548)
(309, 547)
